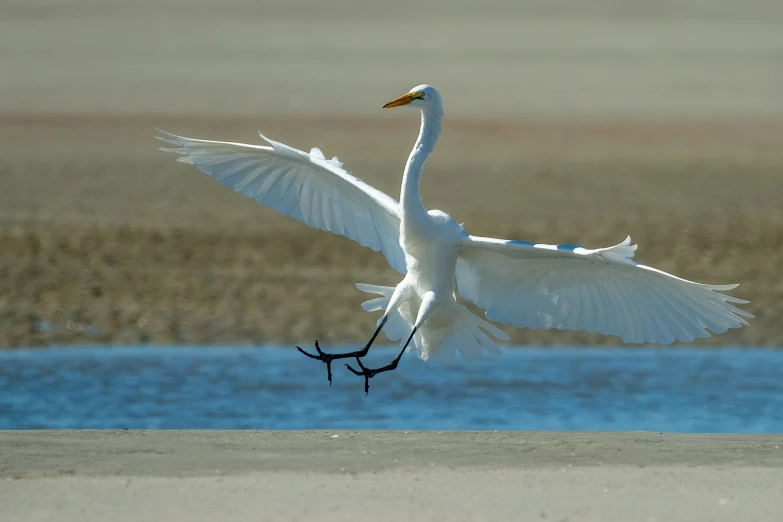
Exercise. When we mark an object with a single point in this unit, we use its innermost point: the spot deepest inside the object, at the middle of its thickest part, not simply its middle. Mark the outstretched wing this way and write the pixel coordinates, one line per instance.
(307, 187)
(573, 288)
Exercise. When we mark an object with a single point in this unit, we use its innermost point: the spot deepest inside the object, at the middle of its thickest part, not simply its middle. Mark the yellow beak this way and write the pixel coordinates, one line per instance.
(405, 99)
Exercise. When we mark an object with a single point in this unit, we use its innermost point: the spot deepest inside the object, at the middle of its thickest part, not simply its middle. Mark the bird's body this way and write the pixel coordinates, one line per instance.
(431, 251)
(426, 294)
(525, 284)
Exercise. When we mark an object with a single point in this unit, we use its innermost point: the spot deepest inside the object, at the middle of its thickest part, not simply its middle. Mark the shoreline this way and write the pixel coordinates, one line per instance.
(178, 453)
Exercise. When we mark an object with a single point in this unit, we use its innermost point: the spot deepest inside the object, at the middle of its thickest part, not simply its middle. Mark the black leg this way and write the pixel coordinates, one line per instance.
(327, 358)
(369, 373)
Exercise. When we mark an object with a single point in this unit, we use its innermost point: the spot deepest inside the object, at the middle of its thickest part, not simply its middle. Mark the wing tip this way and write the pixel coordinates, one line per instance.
(166, 134)
(168, 149)
(170, 138)
(266, 139)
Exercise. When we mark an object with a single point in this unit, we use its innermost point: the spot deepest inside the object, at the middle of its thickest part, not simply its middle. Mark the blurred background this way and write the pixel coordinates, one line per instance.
(566, 122)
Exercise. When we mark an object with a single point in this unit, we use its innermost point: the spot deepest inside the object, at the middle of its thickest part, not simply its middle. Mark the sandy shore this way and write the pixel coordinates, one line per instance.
(337, 475)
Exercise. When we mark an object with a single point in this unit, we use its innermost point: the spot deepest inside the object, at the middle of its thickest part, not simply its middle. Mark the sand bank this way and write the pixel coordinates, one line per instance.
(338, 475)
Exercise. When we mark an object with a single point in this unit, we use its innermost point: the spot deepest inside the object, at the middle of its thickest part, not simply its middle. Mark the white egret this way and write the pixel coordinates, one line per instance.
(528, 285)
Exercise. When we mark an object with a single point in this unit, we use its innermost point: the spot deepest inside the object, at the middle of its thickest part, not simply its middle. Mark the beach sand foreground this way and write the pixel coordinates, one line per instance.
(341, 475)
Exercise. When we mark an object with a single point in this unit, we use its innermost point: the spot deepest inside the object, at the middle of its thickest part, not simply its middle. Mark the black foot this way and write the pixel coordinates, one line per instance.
(369, 373)
(327, 358)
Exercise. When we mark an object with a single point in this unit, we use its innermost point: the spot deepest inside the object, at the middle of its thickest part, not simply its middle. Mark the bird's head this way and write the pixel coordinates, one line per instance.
(421, 97)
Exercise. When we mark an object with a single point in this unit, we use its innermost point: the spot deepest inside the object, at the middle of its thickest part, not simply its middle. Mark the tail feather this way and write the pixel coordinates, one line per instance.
(373, 305)
(399, 324)
(375, 289)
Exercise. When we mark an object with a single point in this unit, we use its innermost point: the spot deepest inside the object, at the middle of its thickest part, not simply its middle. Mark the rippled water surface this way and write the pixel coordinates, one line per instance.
(678, 389)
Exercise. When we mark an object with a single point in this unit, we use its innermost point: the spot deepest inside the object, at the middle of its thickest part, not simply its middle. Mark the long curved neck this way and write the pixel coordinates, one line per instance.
(410, 199)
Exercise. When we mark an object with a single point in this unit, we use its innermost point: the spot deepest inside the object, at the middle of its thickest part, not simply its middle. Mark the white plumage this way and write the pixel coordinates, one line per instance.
(307, 187)
(603, 290)
(524, 284)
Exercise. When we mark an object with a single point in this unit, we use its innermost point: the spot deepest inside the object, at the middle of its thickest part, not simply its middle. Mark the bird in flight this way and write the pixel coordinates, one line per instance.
(528, 285)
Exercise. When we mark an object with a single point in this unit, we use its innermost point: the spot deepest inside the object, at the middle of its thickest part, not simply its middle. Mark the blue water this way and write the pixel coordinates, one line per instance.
(678, 389)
